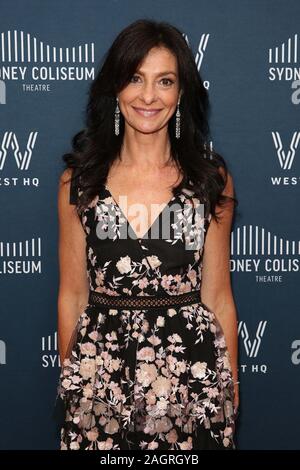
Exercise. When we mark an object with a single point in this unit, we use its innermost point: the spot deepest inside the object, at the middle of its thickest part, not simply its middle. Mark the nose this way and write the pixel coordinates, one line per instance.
(148, 93)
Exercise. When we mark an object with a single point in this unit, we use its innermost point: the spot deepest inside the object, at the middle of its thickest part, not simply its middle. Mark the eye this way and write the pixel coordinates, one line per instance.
(133, 77)
(166, 81)
(170, 82)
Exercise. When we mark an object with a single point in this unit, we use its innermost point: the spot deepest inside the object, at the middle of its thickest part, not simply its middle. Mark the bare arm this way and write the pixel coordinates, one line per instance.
(216, 290)
(73, 282)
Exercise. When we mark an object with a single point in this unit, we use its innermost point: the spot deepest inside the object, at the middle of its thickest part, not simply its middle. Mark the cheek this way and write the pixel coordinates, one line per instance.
(170, 100)
(128, 95)
(171, 106)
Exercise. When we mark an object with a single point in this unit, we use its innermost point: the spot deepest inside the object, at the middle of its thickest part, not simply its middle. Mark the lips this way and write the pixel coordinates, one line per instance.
(147, 112)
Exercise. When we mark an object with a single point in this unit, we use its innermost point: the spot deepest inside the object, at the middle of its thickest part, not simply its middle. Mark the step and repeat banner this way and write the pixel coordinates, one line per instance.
(248, 54)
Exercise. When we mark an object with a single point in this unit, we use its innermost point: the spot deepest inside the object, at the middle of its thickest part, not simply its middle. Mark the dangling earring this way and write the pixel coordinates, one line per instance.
(177, 132)
(210, 152)
(117, 118)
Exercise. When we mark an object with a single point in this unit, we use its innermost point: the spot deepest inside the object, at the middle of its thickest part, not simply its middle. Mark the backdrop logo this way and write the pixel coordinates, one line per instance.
(10, 141)
(286, 158)
(252, 345)
(2, 352)
(200, 53)
(36, 64)
(254, 249)
(283, 60)
(50, 357)
(283, 65)
(21, 154)
(201, 49)
(295, 358)
(21, 257)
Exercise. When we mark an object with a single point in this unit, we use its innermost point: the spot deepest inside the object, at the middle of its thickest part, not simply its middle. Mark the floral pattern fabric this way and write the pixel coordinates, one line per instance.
(148, 378)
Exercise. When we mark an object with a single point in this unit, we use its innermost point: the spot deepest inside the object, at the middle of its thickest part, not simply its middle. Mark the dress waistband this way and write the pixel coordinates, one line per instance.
(144, 301)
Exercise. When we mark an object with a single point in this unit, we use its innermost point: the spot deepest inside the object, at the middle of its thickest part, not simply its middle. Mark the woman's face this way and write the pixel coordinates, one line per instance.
(150, 99)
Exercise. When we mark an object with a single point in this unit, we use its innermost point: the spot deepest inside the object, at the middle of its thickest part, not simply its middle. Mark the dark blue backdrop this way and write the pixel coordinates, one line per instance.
(248, 55)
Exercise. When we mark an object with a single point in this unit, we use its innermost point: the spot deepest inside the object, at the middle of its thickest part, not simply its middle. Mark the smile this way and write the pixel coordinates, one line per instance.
(146, 112)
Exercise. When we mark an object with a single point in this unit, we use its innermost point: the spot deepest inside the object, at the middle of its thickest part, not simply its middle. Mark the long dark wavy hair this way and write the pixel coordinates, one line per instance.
(96, 146)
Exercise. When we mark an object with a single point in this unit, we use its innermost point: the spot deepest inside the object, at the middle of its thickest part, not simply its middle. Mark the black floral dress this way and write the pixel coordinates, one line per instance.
(146, 378)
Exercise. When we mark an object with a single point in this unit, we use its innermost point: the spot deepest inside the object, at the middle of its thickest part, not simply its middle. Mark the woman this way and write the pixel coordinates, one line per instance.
(149, 360)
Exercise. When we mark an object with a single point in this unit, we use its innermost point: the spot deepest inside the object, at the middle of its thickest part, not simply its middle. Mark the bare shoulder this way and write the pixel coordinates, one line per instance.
(65, 176)
(219, 231)
(65, 190)
(229, 187)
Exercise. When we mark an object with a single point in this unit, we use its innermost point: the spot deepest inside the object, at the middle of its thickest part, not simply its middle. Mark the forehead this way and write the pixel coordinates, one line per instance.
(157, 60)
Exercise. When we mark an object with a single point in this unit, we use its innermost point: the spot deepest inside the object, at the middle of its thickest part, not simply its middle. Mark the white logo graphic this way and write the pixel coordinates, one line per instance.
(283, 65)
(27, 250)
(18, 249)
(256, 250)
(252, 347)
(49, 342)
(254, 240)
(37, 65)
(287, 52)
(201, 49)
(10, 141)
(2, 352)
(21, 47)
(286, 158)
(200, 53)
(49, 345)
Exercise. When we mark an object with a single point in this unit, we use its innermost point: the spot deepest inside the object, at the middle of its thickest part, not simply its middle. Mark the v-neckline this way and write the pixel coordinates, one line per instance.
(127, 221)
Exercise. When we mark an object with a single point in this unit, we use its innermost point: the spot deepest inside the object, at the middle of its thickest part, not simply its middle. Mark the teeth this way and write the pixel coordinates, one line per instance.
(147, 113)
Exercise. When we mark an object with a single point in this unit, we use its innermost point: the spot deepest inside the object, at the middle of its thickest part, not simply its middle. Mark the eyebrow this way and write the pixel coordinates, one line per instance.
(160, 73)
